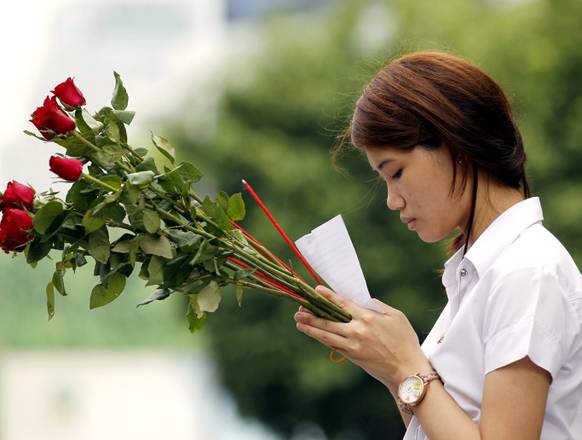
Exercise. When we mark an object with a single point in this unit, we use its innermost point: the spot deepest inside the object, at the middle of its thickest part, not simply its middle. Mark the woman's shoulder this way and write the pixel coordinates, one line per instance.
(539, 253)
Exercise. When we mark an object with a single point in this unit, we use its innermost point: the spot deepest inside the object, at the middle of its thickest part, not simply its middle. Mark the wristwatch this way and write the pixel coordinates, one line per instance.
(412, 390)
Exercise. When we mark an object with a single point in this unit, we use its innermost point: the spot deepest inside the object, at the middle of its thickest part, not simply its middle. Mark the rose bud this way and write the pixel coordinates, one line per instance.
(69, 94)
(66, 167)
(18, 195)
(52, 117)
(14, 229)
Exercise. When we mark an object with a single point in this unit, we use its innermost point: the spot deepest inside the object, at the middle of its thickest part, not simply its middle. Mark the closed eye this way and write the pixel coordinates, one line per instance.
(397, 174)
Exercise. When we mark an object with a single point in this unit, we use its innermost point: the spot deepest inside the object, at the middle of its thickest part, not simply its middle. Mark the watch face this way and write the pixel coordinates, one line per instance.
(411, 389)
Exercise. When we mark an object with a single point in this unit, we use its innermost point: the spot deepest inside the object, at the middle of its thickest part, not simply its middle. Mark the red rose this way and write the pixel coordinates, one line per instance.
(66, 168)
(52, 117)
(14, 229)
(18, 195)
(69, 94)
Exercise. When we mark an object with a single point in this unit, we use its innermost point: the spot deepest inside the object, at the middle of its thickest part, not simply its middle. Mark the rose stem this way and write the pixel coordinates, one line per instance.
(98, 182)
(266, 252)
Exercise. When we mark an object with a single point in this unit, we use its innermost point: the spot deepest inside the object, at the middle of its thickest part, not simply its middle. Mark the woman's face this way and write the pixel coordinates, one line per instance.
(419, 187)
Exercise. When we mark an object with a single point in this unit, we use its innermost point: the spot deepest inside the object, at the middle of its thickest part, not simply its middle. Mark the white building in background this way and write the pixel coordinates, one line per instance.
(115, 395)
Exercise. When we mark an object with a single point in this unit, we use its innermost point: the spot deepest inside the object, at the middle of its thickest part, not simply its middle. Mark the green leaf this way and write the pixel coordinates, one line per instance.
(187, 241)
(108, 199)
(151, 221)
(158, 295)
(222, 200)
(164, 147)
(46, 215)
(108, 155)
(92, 223)
(177, 271)
(182, 177)
(142, 152)
(55, 226)
(113, 211)
(124, 116)
(93, 123)
(112, 180)
(215, 212)
(204, 253)
(50, 300)
(129, 195)
(195, 322)
(37, 250)
(135, 215)
(79, 197)
(209, 298)
(148, 164)
(156, 245)
(80, 259)
(104, 294)
(82, 125)
(98, 245)
(58, 281)
(155, 271)
(239, 294)
(86, 123)
(140, 178)
(120, 97)
(133, 250)
(122, 247)
(236, 207)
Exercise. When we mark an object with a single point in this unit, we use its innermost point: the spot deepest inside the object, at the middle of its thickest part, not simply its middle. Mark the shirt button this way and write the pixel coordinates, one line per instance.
(463, 272)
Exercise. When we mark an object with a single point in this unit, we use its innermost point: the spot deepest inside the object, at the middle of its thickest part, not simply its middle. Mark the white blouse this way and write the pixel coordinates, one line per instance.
(516, 293)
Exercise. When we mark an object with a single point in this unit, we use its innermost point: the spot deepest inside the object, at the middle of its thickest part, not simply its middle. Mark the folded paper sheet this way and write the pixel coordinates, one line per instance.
(329, 251)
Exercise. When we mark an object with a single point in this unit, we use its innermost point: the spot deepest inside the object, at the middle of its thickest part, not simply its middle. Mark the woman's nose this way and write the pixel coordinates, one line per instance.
(394, 201)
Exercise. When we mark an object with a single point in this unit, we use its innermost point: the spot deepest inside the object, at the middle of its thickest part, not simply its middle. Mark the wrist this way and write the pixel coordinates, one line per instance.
(421, 365)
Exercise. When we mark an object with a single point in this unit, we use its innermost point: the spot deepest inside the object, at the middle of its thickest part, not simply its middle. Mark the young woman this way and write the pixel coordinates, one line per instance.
(504, 359)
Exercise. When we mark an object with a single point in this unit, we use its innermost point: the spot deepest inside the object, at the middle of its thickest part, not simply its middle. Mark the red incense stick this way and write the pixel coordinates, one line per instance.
(276, 224)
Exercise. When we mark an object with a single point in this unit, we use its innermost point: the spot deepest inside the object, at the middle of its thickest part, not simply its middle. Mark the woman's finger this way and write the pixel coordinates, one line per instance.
(338, 328)
(384, 308)
(344, 303)
(332, 340)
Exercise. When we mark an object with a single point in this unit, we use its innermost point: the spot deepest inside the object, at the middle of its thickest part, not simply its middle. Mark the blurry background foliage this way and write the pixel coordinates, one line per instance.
(274, 126)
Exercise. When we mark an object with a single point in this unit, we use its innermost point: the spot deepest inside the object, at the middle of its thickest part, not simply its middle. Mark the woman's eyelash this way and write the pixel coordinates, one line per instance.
(397, 174)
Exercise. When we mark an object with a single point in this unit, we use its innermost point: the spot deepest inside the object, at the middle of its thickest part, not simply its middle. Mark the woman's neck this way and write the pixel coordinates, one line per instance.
(492, 200)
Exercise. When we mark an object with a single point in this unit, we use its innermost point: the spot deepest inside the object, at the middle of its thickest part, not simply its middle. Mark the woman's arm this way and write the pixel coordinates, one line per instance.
(386, 346)
(513, 407)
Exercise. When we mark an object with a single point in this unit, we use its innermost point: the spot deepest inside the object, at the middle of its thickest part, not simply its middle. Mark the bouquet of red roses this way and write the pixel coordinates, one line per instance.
(124, 213)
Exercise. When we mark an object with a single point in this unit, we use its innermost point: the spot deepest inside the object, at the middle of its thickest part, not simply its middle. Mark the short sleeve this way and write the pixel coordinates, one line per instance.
(527, 314)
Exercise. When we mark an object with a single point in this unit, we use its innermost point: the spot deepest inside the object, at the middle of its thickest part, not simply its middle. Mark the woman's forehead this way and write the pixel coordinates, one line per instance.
(380, 157)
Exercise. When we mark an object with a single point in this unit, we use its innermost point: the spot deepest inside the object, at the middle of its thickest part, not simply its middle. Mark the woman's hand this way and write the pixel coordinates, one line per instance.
(384, 344)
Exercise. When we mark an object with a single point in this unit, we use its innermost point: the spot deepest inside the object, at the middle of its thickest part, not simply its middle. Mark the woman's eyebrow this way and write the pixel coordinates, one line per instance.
(384, 162)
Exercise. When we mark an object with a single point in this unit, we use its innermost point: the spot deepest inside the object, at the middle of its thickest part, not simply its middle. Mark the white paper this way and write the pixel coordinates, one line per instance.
(330, 252)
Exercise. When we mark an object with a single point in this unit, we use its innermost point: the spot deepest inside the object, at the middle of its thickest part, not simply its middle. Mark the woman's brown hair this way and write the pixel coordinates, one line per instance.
(431, 99)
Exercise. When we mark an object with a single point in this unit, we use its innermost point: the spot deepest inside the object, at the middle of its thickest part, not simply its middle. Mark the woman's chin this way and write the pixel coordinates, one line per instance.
(430, 236)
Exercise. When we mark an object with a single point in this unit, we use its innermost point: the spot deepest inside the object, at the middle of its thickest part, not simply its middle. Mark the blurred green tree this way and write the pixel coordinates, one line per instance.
(276, 123)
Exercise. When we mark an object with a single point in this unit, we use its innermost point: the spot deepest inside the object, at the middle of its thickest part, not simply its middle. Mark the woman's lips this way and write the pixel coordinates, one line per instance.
(410, 222)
